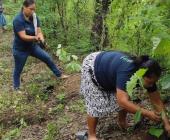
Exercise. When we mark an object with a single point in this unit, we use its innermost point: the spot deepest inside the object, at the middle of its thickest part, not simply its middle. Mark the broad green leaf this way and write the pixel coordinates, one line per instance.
(163, 47)
(137, 116)
(63, 56)
(73, 67)
(130, 85)
(141, 72)
(165, 82)
(156, 131)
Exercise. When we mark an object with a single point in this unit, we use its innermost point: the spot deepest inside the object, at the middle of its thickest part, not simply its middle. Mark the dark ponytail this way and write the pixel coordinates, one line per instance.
(152, 65)
(140, 60)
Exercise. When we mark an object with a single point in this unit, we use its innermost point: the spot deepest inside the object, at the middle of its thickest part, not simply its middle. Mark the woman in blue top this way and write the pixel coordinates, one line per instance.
(24, 45)
(103, 85)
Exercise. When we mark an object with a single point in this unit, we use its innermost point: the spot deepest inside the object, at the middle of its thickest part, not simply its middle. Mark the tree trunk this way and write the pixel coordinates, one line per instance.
(99, 35)
(78, 19)
(62, 13)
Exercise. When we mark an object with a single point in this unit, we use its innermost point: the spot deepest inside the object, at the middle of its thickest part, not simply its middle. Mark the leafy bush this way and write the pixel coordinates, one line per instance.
(71, 61)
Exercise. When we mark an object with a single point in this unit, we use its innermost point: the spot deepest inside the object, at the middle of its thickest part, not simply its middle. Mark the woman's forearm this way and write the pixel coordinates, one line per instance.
(28, 38)
(133, 108)
(124, 102)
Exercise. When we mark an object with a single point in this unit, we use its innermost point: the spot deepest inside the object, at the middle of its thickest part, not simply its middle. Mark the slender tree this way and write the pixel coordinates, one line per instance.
(99, 35)
(61, 7)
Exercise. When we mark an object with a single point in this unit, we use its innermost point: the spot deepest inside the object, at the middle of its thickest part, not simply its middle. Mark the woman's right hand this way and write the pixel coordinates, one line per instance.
(154, 116)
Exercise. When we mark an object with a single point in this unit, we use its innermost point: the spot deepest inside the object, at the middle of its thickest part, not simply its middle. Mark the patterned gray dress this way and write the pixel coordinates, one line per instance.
(97, 102)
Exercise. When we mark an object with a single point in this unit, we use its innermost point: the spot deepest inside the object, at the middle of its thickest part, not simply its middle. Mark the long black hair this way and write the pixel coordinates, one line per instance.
(153, 67)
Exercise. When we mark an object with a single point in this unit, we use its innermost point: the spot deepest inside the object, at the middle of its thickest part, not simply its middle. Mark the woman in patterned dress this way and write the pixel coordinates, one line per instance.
(103, 85)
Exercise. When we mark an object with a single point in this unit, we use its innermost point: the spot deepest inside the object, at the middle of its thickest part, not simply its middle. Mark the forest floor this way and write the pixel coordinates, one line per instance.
(47, 108)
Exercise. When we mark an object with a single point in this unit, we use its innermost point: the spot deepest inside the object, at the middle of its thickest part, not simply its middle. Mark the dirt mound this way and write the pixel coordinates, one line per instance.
(72, 84)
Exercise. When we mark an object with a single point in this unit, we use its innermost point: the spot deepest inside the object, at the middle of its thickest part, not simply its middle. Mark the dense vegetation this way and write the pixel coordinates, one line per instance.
(83, 26)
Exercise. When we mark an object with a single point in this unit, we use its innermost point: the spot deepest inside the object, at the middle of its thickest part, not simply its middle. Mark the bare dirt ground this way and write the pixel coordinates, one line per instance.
(69, 117)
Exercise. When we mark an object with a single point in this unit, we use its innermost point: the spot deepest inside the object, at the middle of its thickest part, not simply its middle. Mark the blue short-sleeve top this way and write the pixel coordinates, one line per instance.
(113, 69)
(21, 24)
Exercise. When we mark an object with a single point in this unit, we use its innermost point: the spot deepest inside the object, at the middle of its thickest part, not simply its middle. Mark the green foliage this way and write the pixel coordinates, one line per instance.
(61, 97)
(155, 131)
(163, 48)
(68, 23)
(10, 10)
(57, 109)
(53, 128)
(14, 133)
(73, 67)
(130, 86)
(8, 101)
(37, 92)
(62, 54)
(63, 120)
(158, 130)
(137, 116)
(71, 61)
(165, 82)
(51, 131)
(78, 106)
(136, 22)
(141, 27)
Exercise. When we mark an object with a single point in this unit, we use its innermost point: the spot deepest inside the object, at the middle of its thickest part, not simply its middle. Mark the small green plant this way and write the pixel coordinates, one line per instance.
(37, 92)
(73, 66)
(52, 131)
(15, 133)
(131, 85)
(63, 120)
(71, 61)
(60, 106)
(165, 82)
(77, 106)
(62, 54)
(130, 89)
(61, 98)
(57, 110)
(154, 131)
(137, 116)
(22, 123)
